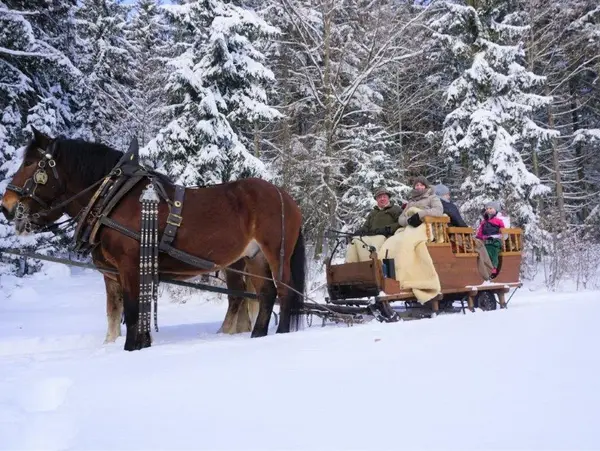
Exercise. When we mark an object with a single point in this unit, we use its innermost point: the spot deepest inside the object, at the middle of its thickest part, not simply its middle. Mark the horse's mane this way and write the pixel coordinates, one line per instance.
(90, 161)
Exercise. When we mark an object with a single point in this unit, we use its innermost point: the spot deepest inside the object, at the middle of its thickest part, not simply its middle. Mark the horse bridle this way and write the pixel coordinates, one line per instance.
(40, 177)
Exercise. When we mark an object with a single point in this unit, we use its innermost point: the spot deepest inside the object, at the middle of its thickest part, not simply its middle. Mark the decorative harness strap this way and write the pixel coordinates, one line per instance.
(148, 259)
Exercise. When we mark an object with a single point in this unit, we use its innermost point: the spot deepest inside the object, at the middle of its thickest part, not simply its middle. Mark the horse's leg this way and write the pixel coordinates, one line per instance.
(243, 323)
(130, 282)
(248, 311)
(253, 307)
(114, 309)
(265, 289)
(234, 281)
(291, 301)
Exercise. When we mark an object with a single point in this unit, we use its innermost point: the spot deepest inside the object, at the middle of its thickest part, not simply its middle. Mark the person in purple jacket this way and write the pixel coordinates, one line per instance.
(489, 232)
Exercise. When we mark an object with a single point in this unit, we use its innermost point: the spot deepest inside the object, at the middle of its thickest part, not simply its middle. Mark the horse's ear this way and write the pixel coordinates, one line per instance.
(42, 140)
(133, 153)
(134, 146)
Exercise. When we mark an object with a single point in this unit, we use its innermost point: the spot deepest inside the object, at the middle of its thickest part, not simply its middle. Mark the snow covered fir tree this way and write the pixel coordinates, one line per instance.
(216, 91)
(491, 128)
(37, 86)
(498, 100)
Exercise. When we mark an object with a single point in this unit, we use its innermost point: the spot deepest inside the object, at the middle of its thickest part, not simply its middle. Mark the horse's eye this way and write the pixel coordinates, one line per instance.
(29, 163)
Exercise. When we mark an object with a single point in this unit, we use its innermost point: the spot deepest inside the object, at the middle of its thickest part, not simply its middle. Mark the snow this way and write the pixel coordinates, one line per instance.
(525, 377)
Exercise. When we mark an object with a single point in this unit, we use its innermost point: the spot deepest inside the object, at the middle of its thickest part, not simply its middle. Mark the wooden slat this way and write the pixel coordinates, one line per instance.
(439, 245)
(434, 219)
(403, 295)
(459, 290)
(460, 230)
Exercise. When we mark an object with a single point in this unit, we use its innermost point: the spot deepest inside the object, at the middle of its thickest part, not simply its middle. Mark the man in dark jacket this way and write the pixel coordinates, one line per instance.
(450, 208)
(383, 218)
(380, 223)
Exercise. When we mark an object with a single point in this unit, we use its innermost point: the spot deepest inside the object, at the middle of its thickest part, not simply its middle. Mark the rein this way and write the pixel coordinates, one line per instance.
(72, 198)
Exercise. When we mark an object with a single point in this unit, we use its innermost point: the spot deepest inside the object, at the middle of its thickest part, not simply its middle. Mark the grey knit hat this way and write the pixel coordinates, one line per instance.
(493, 204)
(441, 190)
(420, 179)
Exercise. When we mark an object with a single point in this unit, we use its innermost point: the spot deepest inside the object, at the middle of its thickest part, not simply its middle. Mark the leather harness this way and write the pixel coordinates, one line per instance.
(128, 173)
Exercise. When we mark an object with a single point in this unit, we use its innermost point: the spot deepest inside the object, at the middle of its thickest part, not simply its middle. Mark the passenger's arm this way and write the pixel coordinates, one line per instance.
(455, 217)
(397, 211)
(402, 220)
(435, 208)
(366, 227)
(479, 233)
(497, 222)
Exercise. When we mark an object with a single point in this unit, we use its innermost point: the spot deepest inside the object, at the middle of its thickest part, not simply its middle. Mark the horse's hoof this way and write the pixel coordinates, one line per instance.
(111, 338)
(135, 342)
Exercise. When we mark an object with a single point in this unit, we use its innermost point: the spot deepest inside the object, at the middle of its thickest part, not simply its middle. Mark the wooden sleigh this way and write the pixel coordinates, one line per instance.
(362, 286)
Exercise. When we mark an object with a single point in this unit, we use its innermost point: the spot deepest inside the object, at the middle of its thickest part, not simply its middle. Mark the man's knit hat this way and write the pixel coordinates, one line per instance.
(441, 190)
(382, 190)
(420, 179)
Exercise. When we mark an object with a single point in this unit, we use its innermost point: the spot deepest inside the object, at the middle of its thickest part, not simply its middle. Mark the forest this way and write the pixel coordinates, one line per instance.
(330, 99)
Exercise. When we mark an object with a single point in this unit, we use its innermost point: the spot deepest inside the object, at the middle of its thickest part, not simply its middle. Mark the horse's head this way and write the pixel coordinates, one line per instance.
(36, 185)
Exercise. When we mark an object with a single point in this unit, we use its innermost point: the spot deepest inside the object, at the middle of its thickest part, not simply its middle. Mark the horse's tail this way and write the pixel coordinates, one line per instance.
(298, 270)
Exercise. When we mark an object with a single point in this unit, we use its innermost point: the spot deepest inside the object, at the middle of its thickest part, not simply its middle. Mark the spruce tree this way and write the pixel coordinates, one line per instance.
(105, 56)
(493, 100)
(216, 91)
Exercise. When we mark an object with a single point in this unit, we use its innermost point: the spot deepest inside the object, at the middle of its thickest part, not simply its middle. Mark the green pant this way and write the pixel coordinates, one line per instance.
(493, 246)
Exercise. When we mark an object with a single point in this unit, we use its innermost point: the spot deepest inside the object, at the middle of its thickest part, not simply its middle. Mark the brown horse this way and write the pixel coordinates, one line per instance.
(249, 223)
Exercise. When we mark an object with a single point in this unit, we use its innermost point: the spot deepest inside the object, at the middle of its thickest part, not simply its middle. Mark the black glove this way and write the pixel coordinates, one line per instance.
(386, 231)
(486, 216)
(414, 220)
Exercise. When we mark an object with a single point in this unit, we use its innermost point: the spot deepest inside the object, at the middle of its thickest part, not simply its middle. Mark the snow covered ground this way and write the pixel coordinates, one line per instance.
(525, 378)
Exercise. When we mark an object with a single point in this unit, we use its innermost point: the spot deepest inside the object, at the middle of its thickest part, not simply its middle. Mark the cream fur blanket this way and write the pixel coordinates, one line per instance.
(358, 250)
(414, 266)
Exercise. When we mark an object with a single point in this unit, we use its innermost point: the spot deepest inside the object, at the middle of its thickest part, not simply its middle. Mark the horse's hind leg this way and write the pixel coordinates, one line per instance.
(236, 319)
(290, 290)
(265, 289)
(114, 309)
(252, 309)
(267, 293)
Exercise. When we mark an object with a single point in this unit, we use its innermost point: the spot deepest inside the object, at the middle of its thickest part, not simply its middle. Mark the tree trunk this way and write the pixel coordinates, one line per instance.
(578, 148)
(560, 197)
(256, 140)
(329, 204)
